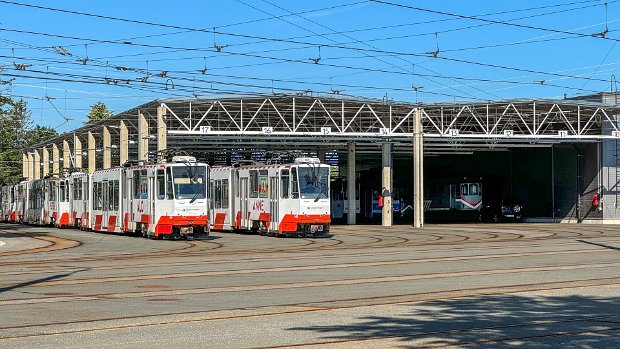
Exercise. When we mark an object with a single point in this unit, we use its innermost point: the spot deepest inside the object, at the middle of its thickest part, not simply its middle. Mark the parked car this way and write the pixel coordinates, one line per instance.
(501, 211)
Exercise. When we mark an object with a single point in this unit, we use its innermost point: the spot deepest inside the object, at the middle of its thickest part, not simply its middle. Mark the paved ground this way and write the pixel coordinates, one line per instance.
(513, 285)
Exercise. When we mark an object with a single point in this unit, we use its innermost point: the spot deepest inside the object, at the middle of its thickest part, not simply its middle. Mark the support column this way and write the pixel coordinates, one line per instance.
(37, 165)
(46, 161)
(92, 161)
(162, 133)
(321, 154)
(124, 143)
(25, 165)
(66, 155)
(386, 184)
(418, 171)
(77, 152)
(55, 159)
(30, 167)
(107, 148)
(351, 185)
(143, 138)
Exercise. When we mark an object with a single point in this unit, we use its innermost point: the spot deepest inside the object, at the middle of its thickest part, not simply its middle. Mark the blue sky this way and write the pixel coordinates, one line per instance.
(367, 49)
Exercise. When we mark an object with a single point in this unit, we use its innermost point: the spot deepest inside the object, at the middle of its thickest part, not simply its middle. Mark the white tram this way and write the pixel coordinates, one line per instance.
(282, 200)
(463, 198)
(159, 200)
(8, 203)
(156, 200)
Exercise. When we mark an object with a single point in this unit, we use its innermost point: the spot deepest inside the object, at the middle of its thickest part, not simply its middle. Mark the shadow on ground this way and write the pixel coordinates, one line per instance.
(492, 322)
(40, 280)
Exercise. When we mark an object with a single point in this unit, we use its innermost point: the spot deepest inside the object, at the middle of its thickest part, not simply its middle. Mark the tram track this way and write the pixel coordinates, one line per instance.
(277, 286)
(182, 253)
(52, 243)
(322, 257)
(295, 308)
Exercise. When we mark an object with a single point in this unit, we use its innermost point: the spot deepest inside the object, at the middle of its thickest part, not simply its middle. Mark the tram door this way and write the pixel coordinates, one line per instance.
(274, 196)
(243, 190)
(86, 195)
(105, 208)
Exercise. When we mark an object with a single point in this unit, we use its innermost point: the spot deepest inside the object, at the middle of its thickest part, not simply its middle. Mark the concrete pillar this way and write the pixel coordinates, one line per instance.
(124, 143)
(46, 161)
(66, 155)
(37, 165)
(30, 167)
(92, 160)
(351, 185)
(77, 152)
(55, 159)
(386, 184)
(25, 165)
(143, 138)
(418, 171)
(321, 154)
(107, 148)
(162, 133)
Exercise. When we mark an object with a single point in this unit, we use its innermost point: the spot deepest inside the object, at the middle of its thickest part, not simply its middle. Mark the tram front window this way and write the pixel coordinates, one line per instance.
(189, 182)
(313, 182)
(474, 189)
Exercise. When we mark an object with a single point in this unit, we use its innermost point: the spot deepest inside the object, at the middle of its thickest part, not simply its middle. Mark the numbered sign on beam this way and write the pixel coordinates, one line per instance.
(562, 134)
(615, 134)
(267, 130)
(326, 130)
(452, 132)
(205, 129)
(384, 131)
(509, 133)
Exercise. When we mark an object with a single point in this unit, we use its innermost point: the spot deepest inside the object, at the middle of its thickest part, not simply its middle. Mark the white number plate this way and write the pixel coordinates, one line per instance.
(187, 230)
(315, 227)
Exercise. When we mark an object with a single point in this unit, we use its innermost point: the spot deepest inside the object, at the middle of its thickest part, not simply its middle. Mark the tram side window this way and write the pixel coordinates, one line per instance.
(294, 184)
(284, 183)
(236, 184)
(254, 184)
(211, 191)
(136, 184)
(77, 189)
(224, 193)
(161, 184)
(144, 189)
(263, 184)
(97, 197)
(52, 191)
(62, 191)
(169, 194)
(218, 194)
(85, 189)
(113, 195)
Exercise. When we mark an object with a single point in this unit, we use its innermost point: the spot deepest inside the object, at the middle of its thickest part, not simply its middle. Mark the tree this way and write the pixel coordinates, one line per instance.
(98, 112)
(16, 134)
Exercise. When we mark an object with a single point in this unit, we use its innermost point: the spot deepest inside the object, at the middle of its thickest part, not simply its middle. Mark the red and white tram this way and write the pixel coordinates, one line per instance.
(155, 200)
(282, 200)
(79, 189)
(8, 204)
(159, 200)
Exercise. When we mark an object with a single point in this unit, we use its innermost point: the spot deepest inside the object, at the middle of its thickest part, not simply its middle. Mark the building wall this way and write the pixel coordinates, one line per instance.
(576, 170)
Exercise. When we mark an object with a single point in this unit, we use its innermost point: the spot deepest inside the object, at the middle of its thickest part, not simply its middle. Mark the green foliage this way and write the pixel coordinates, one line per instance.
(16, 134)
(98, 112)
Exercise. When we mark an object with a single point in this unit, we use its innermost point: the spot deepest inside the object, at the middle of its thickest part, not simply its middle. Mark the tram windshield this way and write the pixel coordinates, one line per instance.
(313, 182)
(470, 189)
(189, 182)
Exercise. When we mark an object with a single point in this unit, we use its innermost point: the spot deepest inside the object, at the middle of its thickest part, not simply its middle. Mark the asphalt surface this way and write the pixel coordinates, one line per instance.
(479, 286)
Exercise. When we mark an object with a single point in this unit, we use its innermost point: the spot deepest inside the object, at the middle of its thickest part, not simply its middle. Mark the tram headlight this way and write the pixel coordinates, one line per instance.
(516, 208)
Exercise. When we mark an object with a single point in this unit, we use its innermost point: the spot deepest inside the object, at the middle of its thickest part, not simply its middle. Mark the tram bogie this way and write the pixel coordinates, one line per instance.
(283, 200)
